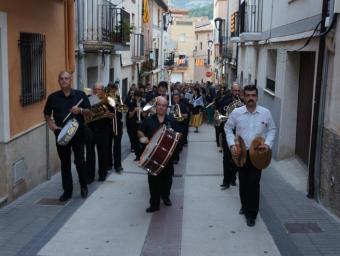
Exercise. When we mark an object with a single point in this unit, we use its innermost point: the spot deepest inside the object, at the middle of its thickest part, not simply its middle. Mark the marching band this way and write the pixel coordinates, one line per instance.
(157, 124)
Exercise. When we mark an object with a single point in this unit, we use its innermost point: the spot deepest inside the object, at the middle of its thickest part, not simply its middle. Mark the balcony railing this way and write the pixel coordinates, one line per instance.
(169, 60)
(252, 18)
(104, 24)
(151, 62)
(137, 45)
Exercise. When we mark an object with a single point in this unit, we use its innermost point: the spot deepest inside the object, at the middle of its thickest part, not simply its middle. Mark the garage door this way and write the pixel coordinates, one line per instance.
(177, 77)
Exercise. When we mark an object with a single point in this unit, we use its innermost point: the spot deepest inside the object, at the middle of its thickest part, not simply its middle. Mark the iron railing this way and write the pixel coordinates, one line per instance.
(33, 68)
(169, 60)
(105, 23)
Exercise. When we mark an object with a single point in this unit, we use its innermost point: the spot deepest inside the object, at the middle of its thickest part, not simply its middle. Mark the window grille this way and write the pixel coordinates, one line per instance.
(33, 68)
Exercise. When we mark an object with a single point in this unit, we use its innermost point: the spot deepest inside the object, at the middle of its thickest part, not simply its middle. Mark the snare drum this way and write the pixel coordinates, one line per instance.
(159, 150)
(68, 132)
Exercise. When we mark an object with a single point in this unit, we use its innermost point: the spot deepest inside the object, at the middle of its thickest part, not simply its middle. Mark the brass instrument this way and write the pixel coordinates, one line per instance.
(150, 106)
(99, 106)
(139, 111)
(177, 113)
(235, 104)
(120, 106)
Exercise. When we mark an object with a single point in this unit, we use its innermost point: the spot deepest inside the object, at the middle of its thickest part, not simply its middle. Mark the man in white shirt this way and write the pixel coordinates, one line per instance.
(249, 122)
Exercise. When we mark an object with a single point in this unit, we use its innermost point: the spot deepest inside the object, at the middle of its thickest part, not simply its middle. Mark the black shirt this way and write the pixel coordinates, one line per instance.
(151, 124)
(60, 105)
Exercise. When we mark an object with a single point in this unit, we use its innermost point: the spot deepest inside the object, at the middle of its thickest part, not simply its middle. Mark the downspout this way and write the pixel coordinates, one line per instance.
(80, 51)
(316, 109)
(70, 30)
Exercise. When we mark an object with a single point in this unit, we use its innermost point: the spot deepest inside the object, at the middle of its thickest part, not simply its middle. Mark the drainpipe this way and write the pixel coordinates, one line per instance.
(80, 52)
(316, 112)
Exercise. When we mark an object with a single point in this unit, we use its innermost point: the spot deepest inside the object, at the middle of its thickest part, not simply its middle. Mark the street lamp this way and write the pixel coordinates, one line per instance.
(218, 22)
(210, 43)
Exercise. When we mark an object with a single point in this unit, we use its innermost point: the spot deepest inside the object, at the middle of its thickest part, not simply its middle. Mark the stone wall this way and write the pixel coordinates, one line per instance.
(330, 171)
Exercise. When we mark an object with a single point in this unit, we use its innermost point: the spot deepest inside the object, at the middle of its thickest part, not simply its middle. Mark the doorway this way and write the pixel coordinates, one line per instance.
(305, 104)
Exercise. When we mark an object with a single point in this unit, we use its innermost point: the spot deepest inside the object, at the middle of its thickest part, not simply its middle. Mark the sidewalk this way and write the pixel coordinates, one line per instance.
(202, 221)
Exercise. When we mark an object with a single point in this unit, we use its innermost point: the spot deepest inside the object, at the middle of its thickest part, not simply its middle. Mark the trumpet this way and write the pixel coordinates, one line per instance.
(139, 120)
(177, 113)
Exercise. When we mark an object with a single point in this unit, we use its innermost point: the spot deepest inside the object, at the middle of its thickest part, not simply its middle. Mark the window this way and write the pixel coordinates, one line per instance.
(271, 70)
(201, 45)
(181, 37)
(33, 68)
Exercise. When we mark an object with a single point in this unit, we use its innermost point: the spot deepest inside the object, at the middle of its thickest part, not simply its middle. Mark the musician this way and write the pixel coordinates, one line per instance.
(101, 130)
(197, 103)
(59, 104)
(218, 102)
(250, 121)
(229, 168)
(159, 185)
(128, 121)
(177, 124)
(135, 118)
(116, 136)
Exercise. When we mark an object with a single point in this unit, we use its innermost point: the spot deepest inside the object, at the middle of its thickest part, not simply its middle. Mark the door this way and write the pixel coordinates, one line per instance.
(124, 88)
(305, 103)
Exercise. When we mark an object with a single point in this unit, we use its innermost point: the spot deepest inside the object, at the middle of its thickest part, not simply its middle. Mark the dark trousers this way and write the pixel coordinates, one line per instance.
(64, 152)
(178, 149)
(98, 139)
(117, 150)
(160, 185)
(130, 132)
(135, 142)
(217, 135)
(249, 179)
(229, 168)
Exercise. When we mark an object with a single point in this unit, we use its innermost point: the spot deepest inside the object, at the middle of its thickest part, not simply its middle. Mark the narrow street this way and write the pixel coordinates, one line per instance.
(203, 220)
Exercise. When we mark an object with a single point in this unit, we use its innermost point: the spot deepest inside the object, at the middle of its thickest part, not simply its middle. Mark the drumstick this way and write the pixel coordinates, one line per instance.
(79, 102)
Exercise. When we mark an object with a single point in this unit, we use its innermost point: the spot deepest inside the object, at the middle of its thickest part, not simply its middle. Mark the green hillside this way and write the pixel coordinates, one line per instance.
(202, 11)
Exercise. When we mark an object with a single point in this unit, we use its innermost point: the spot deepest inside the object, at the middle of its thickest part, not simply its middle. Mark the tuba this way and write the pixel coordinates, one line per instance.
(99, 106)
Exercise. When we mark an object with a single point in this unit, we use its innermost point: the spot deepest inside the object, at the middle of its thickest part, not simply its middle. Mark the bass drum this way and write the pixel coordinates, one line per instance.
(159, 150)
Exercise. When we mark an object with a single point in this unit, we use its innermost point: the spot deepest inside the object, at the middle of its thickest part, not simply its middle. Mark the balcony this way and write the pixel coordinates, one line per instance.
(250, 21)
(104, 26)
(169, 61)
(137, 45)
(151, 62)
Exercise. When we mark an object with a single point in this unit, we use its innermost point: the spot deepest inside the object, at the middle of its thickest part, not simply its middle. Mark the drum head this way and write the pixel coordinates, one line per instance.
(151, 145)
(68, 130)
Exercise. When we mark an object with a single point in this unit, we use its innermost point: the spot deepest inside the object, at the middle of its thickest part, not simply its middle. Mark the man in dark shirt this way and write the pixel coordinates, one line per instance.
(116, 137)
(159, 185)
(101, 130)
(59, 104)
(177, 124)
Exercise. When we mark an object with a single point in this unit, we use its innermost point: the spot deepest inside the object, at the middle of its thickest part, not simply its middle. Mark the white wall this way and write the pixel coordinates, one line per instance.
(285, 13)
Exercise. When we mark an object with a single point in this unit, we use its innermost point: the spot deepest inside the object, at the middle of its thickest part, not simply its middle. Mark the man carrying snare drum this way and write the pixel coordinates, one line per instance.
(59, 104)
(159, 185)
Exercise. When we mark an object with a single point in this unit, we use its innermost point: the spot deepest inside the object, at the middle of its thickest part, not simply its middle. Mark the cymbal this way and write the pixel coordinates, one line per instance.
(260, 158)
(240, 147)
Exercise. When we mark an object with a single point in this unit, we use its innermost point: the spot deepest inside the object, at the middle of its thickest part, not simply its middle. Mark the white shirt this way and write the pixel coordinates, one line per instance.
(250, 125)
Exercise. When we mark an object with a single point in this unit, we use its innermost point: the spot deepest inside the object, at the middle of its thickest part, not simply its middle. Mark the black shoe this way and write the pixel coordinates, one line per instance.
(90, 180)
(225, 186)
(136, 159)
(250, 222)
(241, 212)
(175, 161)
(167, 201)
(64, 197)
(102, 178)
(152, 209)
(84, 192)
(119, 169)
(233, 183)
(196, 131)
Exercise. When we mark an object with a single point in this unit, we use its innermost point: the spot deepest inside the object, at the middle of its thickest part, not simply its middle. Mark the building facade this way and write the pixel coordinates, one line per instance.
(203, 52)
(279, 46)
(32, 53)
